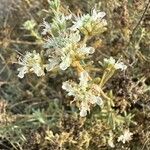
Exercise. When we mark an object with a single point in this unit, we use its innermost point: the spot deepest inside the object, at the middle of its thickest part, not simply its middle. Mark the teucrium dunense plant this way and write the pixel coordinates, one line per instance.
(66, 47)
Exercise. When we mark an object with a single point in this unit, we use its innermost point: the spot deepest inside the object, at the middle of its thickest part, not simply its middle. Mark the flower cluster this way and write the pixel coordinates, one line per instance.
(65, 49)
(90, 24)
(86, 93)
(29, 24)
(116, 65)
(125, 137)
(64, 45)
(59, 24)
(31, 62)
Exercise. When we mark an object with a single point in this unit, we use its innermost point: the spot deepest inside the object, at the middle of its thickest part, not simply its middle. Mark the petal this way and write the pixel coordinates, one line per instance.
(46, 26)
(68, 17)
(111, 61)
(96, 100)
(66, 62)
(99, 101)
(22, 71)
(121, 66)
(75, 37)
(84, 78)
(101, 15)
(83, 112)
(110, 143)
(38, 70)
(67, 86)
(52, 64)
(97, 15)
(87, 50)
(92, 99)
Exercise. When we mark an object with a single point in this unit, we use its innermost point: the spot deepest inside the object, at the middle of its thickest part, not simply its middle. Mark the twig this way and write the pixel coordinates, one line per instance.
(20, 42)
(137, 25)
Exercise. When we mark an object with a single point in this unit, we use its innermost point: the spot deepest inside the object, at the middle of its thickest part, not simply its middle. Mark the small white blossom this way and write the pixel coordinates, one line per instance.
(86, 50)
(22, 71)
(64, 40)
(117, 65)
(70, 87)
(90, 24)
(47, 28)
(111, 61)
(110, 143)
(125, 137)
(84, 78)
(80, 21)
(31, 62)
(66, 62)
(121, 66)
(85, 92)
(96, 100)
(83, 111)
(29, 24)
(58, 24)
(97, 15)
(110, 140)
(38, 70)
(53, 63)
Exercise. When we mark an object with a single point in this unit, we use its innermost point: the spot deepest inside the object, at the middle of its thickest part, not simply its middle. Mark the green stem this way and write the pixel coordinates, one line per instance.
(109, 75)
(106, 76)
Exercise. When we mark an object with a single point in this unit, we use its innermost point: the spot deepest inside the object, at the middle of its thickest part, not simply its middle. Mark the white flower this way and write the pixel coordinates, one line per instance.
(69, 88)
(110, 143)
(110, 140)
(86, 50)
(38, 70)
(66, 62)
(125, 137)
(31, 62)
(96, 100)
(22, 71)
(60, 22)
(84, 78)
(29, 24)
(121, 66)
(53, 63)
(97, 15)
(85, 92)
(117, 65)
(111, 61)
(47, 28)
(90, 24)
(80, 21)
(61, 50)
(83, 111)
(74, 37)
